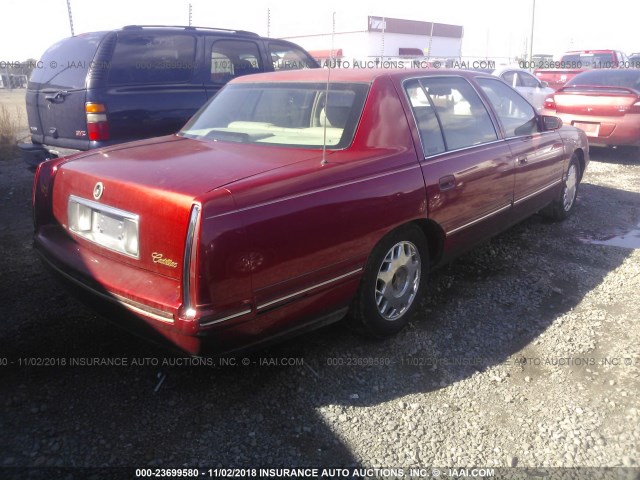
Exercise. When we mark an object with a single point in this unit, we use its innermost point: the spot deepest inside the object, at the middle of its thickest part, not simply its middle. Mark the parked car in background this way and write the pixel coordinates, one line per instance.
(541, 60)
(288, 202)
(558, 73)
(634, 60)
(104, 88)
(528, 85)
(605, 104)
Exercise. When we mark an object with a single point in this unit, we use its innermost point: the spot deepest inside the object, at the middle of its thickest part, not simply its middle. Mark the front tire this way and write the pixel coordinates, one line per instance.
(562, 208)
(393, 283)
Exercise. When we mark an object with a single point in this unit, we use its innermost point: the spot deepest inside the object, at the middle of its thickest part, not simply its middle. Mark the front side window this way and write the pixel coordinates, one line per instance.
(459, 111)
(152, 58)
(233, 58)
(516, 114)
(288, 57)
(301, 115)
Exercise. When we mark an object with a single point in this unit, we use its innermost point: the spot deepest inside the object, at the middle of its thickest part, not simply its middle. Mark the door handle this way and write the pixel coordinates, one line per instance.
(522, 160)
(447, 182)
(57, 96)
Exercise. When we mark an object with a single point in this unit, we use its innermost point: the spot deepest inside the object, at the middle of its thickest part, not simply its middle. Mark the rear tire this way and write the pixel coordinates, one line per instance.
(564, 205)
(392, 285)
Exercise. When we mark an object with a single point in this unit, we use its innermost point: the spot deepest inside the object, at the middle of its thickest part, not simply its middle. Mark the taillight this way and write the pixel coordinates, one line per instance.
(550, 103)
(97, 123)
(189, 265)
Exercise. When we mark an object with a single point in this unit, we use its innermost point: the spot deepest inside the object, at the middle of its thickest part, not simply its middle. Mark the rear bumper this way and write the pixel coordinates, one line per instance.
(33, 154)
(623, 130)
(141, 301)
(149, 305)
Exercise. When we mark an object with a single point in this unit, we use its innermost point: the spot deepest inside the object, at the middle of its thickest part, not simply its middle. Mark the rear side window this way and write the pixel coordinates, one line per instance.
(146, 58)
(65, 64)
(234, 58)
(455, 108)
(288, 57)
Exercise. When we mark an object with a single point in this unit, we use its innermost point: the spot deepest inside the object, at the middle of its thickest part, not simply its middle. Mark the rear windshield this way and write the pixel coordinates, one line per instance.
(65, 64)
(300, 115)
(608, 78)
(589, 60)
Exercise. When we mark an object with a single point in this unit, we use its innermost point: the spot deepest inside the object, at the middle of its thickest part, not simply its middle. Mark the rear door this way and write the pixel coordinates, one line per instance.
(153, 86)
(533, 90)
(56, 92)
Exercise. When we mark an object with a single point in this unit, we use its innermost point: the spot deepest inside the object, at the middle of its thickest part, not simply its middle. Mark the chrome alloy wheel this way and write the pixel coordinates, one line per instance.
(398, 280)
(570, 187)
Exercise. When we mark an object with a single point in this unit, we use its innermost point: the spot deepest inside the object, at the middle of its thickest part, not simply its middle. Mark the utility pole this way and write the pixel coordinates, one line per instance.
(70, 17)
(268, 22)
(533, 17)
(190, 14)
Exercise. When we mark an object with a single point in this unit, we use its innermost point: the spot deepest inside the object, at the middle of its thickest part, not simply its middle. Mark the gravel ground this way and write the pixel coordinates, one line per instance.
(526, 355)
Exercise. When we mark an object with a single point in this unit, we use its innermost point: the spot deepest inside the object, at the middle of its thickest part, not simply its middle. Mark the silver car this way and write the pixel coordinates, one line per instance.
(528, 85)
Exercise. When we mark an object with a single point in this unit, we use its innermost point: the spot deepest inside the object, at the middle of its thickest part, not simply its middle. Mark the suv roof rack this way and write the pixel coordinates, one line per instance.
(185, 27)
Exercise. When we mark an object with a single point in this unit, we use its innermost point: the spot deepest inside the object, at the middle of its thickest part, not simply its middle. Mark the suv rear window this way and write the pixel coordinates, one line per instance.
(66, 63)
(144, 58)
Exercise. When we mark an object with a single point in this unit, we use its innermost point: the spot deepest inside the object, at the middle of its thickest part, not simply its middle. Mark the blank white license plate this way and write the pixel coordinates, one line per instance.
(591, 129)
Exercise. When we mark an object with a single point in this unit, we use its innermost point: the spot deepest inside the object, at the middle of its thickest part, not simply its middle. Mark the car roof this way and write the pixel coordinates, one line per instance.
(184, 28)
(361, 75)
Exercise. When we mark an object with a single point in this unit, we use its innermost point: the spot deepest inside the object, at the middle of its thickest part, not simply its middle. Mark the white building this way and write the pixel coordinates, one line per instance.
(387, 38)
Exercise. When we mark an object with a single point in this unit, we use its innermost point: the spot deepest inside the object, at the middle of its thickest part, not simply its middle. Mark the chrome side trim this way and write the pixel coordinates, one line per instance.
(188, 309)
(537, 192)
(224, 319)
(484, 217)
(132, 305)
(308, 289)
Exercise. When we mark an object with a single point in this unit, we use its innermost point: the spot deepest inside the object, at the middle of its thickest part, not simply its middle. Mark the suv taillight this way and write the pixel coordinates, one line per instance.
(97, 124)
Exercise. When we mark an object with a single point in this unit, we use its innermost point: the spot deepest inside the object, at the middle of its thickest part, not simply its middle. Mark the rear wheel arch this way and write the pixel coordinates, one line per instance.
(368, 314)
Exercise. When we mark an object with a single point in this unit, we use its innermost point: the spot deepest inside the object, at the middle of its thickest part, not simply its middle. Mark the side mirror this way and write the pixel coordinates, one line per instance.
(550, 122)
(544, 84)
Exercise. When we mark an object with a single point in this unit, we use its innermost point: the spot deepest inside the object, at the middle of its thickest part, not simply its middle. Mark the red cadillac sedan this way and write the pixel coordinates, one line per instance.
(297, 198)
(603, 103)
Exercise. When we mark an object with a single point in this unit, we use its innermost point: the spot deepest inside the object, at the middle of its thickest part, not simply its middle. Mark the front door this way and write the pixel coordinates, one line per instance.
(468, 170)
(537, 155)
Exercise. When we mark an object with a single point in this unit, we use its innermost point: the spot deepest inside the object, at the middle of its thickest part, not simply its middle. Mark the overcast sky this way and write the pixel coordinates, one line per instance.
(498, 28)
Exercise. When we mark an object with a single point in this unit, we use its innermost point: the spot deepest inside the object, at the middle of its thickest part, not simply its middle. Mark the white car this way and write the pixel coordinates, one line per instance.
(528, 85)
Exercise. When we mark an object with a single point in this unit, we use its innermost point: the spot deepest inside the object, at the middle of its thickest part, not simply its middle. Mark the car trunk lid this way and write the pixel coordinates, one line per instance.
(153, 183)
(595, 100)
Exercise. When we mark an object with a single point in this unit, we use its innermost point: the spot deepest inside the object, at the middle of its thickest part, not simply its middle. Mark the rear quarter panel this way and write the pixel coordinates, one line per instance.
(311, 222)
